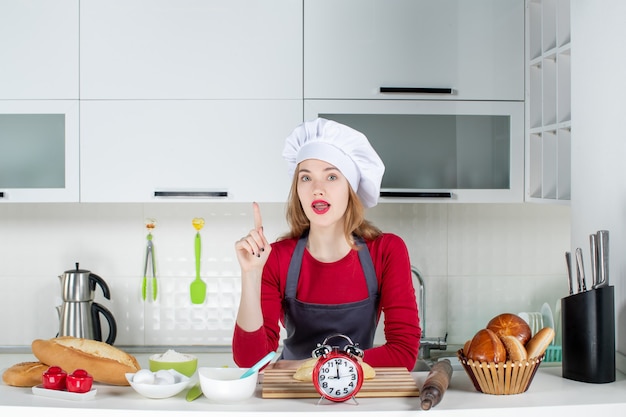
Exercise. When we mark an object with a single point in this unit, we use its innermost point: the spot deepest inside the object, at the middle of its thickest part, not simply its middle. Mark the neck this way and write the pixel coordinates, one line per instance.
(328, 245)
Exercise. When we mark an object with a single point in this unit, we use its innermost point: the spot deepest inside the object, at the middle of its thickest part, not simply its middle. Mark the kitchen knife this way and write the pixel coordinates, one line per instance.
(580, 270)
(568, 262)
(603, 258)
(593, 246)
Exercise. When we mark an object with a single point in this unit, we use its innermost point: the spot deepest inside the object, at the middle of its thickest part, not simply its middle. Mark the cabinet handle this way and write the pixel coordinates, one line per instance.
(416, 90)
(191, 194)
(418, 194)
(1, 194)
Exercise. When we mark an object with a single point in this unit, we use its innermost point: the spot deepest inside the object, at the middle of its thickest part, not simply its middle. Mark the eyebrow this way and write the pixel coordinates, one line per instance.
(330, 168)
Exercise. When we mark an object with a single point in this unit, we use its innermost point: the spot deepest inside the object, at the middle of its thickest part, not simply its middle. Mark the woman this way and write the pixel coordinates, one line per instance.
(334, 272)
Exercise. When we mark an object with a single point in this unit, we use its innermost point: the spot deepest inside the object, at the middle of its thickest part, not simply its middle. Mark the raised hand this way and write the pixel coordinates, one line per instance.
(253, 249)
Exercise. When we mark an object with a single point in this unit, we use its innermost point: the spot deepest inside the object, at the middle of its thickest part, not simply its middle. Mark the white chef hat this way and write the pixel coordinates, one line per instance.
(341, 146)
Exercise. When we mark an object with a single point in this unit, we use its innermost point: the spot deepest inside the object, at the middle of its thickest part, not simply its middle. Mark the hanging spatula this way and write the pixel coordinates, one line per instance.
(198, 287)
(150, 263)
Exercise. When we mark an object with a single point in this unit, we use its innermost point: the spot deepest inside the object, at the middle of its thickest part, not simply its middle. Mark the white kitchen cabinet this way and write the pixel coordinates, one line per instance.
(353, 48)
(39, 151)
(185, 150)
(548, 101)
(39, 49)
(191, 49)
(439, 151)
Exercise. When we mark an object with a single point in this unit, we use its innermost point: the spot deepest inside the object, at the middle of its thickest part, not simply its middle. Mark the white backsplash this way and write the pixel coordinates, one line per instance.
(477, 260)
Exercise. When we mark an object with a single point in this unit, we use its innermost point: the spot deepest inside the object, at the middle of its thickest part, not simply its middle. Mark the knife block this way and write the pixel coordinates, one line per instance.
(588, 338)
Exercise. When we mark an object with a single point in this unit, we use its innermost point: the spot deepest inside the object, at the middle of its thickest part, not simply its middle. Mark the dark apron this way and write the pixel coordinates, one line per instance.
(309, 324)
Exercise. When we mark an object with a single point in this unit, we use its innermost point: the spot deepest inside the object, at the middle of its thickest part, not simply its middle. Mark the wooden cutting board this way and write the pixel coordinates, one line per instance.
(388, 382)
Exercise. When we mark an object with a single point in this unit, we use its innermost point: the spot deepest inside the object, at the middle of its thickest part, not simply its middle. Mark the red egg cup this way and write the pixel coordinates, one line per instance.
(79, 381)
(54, 378)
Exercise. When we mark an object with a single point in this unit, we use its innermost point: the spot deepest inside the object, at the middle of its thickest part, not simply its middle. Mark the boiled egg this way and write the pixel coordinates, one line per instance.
(144, 376)
(164, 377)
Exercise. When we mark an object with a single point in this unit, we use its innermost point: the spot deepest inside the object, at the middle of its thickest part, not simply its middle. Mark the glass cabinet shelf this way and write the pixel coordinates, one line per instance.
(32, 151)
(441, 151)
(39, 151)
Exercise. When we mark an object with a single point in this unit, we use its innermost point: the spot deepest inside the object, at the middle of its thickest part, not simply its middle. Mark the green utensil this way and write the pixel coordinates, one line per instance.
(194, 392)
(144, 284)
(154, 288)
(198, 287)
(150, 225)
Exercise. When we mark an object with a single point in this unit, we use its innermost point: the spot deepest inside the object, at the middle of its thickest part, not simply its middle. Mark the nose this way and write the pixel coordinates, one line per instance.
(317, 190)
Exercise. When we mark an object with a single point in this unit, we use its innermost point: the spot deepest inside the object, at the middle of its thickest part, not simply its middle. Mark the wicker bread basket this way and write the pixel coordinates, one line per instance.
(503, 378)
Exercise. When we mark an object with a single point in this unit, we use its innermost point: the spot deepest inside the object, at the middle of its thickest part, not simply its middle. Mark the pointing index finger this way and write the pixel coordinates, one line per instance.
(258, 223)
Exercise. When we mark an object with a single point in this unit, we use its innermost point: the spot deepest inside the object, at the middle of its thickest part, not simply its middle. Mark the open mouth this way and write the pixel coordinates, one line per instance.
(320, 206)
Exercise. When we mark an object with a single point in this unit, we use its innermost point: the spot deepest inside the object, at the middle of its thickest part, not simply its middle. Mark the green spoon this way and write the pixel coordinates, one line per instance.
(198, 287)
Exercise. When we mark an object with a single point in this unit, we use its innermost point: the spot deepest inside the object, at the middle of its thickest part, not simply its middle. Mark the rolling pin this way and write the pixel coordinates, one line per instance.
(436, 384)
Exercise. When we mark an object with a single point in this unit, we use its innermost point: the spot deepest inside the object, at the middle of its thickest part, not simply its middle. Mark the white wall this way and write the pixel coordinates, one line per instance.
(478, 260)
(599, 138)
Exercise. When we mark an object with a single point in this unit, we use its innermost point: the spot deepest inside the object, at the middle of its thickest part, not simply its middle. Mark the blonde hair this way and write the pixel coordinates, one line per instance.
(355, 222)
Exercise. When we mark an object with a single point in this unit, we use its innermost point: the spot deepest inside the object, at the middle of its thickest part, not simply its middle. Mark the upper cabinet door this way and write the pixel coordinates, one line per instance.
(185, 150)
(39, 49)
(191, 49)
(353, 48)
(39, 151)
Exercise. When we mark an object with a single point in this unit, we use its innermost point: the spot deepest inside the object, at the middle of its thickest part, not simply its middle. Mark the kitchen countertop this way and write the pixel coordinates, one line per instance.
(549, 394)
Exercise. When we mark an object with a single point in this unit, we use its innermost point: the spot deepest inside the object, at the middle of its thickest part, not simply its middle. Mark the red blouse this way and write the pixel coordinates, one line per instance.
(319, 283)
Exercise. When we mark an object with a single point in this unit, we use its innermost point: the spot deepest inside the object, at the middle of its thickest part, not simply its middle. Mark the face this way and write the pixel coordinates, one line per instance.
(323, 192)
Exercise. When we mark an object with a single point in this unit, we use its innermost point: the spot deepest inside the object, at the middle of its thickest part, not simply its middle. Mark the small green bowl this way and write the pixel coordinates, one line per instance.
(187, 368)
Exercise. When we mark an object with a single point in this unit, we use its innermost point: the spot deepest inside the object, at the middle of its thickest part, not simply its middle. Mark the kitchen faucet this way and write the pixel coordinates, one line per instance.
(426, 343)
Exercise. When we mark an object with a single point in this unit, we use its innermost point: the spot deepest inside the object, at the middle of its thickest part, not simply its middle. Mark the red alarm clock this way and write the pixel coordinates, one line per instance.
(338, 375)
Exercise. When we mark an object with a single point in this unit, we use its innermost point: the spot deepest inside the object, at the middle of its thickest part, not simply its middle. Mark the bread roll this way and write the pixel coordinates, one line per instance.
(466, 347)
(508, 324)
(368, 371)
(515, 351)
(486, 346)
(107, 364)
(540, 342)
(24, 374)
(305, 371)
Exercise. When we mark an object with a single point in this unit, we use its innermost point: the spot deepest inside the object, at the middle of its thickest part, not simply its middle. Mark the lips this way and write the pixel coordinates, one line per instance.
(320, 206)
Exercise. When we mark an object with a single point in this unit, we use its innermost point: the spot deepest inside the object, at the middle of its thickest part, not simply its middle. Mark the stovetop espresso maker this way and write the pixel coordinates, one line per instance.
(79, 315)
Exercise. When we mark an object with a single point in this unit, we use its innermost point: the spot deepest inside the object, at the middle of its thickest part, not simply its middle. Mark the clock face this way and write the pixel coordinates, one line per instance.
(338, 378)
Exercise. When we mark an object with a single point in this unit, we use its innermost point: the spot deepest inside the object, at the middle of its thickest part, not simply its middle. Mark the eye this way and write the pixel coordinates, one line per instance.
(332, 177)
(305, 178)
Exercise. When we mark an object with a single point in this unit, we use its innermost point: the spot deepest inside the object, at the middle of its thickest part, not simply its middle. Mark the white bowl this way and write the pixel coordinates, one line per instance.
(223, 385)
(160, 391)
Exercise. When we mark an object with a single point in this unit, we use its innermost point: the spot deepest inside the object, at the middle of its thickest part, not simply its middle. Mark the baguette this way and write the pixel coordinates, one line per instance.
(107, 364)
(24, 374)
